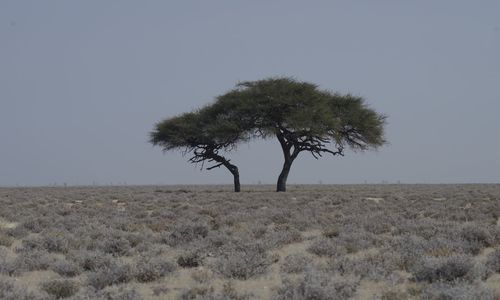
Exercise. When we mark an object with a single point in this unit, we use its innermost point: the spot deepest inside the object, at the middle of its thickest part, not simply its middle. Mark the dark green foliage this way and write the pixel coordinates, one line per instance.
(204, 134)
(305, 115)
(299, 114)
(206, 127)
(304, 118)
(358, 127)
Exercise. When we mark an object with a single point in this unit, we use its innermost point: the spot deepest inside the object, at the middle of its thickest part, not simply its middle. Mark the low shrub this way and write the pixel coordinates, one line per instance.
(160, 290)
(112, 275)
(459, 290)
(283, 235)
(65, 268)
(60, 288)
(58, 242)
(493, 261)
(374, 266)
(357, 240)
(35, 225)
(190, 259)
(331, 232)
(259, 231)
(185, 233)
(410, 249)
(197, 293)
(326, 247)
(216, 240)
(202, 276)
(6, 265)
(228, 292)
(5, 240)
(33, 261)
(151, 269)
(393, 294)
(109, 293)
(10, 291)
(435, 269)
(17, 232)
(31, 243)
(281, 217)
(476, 233)
(295, 263)
(116, 246)
(318, 286)
(91, 260)
(243, 263)
(477, 238)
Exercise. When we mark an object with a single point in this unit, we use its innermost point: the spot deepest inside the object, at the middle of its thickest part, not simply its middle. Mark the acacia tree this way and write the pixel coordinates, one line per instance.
(204, 134)
(304, 119)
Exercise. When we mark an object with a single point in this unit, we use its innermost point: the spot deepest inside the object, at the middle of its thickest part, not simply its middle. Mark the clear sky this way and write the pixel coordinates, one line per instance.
(83, 82)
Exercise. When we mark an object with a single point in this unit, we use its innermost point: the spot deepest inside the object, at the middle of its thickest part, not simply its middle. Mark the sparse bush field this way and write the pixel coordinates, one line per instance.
(313, 242)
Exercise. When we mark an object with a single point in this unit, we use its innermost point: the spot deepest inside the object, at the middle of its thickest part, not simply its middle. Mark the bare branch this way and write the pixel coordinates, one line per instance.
(216, 166)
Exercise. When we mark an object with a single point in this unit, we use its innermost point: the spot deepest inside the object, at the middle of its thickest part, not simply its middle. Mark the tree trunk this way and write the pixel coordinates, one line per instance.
(222, 161)
(281, 185)
(236, 175)
(289, 158)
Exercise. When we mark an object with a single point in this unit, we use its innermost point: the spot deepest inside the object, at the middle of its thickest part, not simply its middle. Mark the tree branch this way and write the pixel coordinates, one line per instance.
(216, 166)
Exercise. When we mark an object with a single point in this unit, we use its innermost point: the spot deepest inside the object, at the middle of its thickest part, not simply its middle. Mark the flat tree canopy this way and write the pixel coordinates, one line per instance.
(204, 134)
(304, 118)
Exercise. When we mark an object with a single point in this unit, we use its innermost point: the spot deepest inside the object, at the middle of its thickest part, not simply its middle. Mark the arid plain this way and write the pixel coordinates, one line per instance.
(206, 242)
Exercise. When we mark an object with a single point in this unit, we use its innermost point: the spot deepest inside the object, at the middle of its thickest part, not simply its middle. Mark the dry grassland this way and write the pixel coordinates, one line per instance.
(314, 242)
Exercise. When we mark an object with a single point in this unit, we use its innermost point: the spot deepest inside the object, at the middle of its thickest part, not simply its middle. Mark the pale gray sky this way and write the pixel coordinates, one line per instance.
(83, 82)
